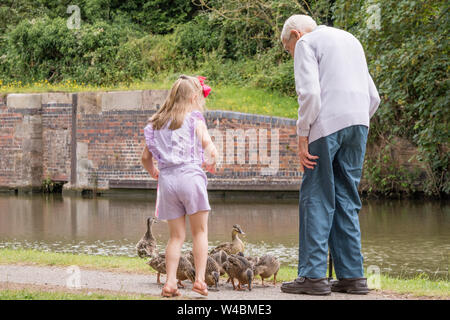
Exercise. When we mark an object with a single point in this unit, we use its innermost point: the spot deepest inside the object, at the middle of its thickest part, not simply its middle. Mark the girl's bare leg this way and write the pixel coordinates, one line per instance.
(177, 230)
(199, 229)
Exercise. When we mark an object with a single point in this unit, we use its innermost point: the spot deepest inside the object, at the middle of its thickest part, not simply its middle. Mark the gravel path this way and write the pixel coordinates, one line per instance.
(146, 284)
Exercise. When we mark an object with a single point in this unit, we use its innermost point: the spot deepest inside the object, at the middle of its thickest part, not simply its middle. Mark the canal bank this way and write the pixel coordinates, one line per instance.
(132, 275)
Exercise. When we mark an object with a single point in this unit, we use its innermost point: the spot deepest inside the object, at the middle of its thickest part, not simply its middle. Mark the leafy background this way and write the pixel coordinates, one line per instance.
(236, 43)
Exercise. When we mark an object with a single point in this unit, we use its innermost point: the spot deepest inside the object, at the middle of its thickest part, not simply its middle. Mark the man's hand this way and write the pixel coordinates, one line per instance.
(305, 157)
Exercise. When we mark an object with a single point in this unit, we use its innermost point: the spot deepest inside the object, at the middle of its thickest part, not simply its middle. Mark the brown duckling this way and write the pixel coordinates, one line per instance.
(238, 267)
(146, 247)
(236, 245)
(220, 257)
(212, 272)
(185, 271)
(253, 260)
(158, 262)
(267, 266)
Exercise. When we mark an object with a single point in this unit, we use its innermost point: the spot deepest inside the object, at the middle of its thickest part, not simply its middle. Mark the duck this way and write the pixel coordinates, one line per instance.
(158, 262)
(267, 266)
(220, 257)
(146, 247)
(238, 267)
(212, 272)
(185, 271)
(236, 245)
(253, 260)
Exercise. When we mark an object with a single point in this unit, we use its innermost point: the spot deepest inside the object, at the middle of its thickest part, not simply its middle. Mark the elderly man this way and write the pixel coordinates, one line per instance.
(336, 97)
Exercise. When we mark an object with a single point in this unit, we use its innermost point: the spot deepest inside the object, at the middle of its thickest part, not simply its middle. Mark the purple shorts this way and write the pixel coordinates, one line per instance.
(181, 191)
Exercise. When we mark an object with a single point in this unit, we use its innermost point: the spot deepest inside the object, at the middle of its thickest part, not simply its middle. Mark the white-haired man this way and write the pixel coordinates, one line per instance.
(336, 97)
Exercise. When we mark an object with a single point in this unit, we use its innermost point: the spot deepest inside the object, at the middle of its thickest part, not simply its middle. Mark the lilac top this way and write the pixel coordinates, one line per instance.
(175, 147)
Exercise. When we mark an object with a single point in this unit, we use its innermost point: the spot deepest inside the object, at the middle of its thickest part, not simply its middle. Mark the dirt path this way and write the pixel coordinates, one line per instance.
(146, 284)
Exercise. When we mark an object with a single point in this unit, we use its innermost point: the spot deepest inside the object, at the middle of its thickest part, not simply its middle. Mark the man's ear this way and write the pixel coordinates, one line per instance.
(296, 34)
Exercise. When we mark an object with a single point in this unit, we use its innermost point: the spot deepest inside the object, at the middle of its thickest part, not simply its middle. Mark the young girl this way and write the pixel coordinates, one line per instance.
(177, 137)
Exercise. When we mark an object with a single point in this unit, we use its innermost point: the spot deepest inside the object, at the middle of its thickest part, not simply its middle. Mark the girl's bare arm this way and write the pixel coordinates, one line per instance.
(147, 162)
(210, 150)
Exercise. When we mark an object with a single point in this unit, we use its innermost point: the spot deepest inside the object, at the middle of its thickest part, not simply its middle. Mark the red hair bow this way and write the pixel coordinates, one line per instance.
(206, 89)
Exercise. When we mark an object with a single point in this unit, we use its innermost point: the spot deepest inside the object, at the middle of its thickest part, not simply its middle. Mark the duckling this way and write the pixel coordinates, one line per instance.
(212, 272)
(158, 262)
(233, 247)
(240, 268)
(146, 247)
(185, 271)
(267, 266)
(220, 257)
(253, 260)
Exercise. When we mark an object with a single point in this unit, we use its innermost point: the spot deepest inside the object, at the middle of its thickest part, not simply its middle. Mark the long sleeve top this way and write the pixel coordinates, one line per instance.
(333, 84)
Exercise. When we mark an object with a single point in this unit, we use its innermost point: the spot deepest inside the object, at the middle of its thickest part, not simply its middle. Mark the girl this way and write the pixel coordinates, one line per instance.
(177, 137)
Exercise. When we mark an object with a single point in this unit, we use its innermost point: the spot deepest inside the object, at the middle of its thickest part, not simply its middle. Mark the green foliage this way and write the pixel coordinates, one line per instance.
(386, 177)
(408, 58)
(46, 49)
(50, 186)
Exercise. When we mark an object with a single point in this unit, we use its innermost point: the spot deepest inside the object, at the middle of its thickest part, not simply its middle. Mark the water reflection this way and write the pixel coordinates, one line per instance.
(401, 237)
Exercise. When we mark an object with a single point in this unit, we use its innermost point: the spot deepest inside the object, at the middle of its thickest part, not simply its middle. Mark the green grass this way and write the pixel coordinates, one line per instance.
(240, 99)
(28, 294)
(112, 263)
(418, 286)
(252, 100)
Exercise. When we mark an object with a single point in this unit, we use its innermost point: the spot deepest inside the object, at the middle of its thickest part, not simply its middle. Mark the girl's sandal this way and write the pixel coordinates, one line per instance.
(200, 288)
(169, 293)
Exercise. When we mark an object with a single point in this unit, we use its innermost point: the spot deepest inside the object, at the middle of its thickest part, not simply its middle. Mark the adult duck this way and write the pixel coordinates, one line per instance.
(146, 247)
(235, 246)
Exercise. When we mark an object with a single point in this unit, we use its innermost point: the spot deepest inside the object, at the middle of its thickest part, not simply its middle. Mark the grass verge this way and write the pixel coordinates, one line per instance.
(232, 98)
(419, 286)
(38, 294)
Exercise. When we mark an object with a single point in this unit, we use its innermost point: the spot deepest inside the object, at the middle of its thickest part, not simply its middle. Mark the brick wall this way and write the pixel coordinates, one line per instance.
(94, 140)
(20, 141)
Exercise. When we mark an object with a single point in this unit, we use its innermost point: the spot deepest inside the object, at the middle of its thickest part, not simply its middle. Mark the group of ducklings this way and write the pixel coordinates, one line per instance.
(227, 258)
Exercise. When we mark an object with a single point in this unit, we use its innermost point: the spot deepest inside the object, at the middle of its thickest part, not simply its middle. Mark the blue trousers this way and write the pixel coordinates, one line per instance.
(330, 203)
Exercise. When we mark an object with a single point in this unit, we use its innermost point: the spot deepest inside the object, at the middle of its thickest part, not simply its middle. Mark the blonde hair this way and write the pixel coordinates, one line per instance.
(177, 103)
(299, 22)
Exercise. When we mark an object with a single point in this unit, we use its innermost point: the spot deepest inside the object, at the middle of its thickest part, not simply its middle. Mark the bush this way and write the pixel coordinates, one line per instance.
(46, 49)
(408, 58)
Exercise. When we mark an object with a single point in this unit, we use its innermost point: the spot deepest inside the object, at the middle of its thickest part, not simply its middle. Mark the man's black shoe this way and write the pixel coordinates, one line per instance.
(352, 286)
(304, 285)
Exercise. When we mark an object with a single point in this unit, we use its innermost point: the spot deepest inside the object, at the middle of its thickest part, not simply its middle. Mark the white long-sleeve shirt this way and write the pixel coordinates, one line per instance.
(333, 84)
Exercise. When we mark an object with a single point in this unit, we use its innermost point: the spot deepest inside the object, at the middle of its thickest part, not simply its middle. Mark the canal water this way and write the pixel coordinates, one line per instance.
(403, 237)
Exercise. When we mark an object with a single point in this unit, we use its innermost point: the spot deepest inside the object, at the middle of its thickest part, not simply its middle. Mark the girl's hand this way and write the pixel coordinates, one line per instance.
(154, 172)
(210, 158)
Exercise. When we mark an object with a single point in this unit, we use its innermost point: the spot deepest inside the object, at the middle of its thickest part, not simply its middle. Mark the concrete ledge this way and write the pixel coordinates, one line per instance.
(57, 98)
(220, 114)
(217, 185)
(90, 102)
(24, 100)
(153, 99)
(122, 100)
